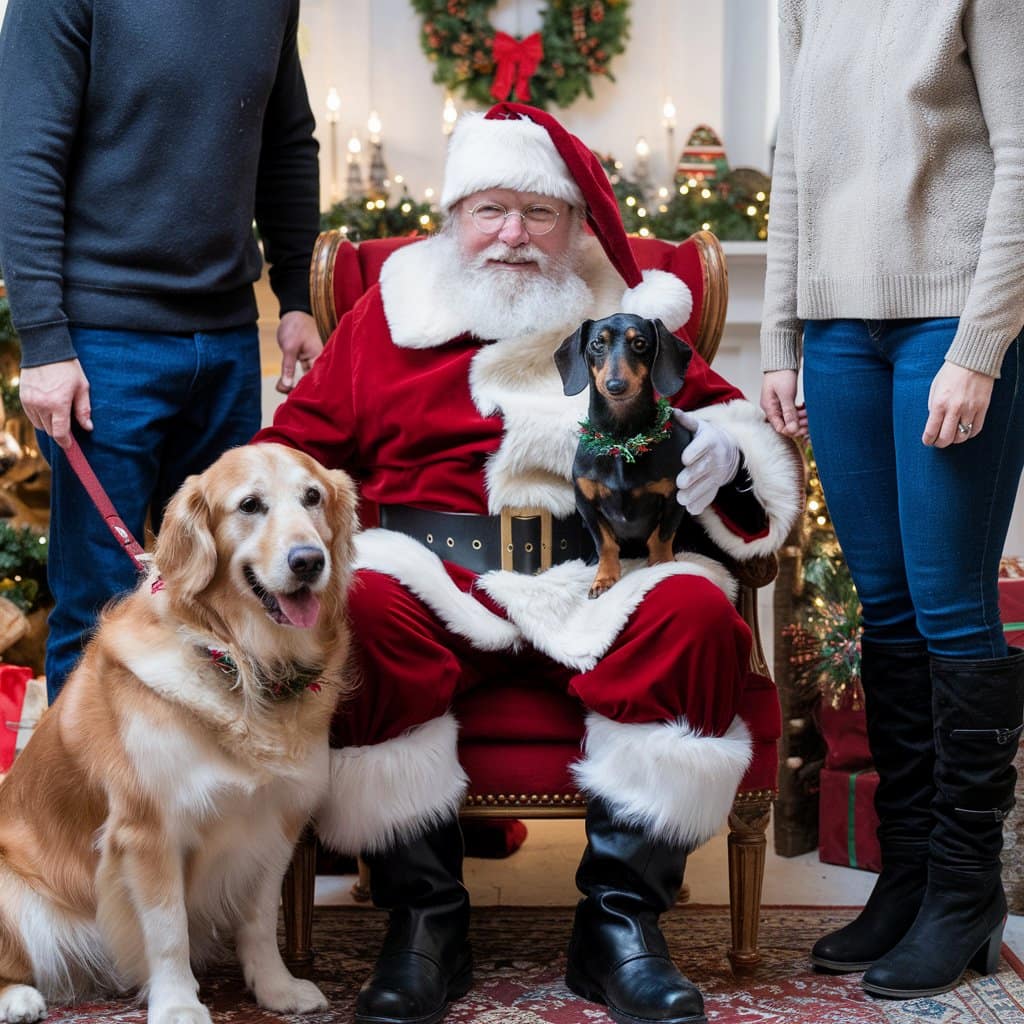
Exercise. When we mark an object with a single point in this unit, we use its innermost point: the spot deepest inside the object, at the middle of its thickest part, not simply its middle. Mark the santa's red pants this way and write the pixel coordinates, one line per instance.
(683, 654)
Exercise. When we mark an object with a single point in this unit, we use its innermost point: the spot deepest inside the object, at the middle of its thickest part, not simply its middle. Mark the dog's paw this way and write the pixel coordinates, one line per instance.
(194, 1013)
(293, 996)
(21, 1004)
(600, 585)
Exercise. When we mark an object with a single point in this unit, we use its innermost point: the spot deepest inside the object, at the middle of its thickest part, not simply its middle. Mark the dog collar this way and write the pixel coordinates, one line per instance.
(295, 681)
(628, 448)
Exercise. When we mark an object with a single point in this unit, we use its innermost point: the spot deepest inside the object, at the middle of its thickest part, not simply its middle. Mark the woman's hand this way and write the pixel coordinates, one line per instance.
(957, 404)
(778, 399)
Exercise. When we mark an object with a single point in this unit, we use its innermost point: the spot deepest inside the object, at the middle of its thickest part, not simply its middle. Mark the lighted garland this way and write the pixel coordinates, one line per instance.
(577, 43)
(721, 205)
(361, 217)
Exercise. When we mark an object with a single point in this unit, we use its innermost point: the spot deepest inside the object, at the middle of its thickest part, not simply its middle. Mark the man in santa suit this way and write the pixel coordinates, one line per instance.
(439, 394)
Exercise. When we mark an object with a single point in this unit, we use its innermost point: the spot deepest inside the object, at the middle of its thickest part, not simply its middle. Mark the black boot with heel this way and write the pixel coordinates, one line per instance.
(617, 955)
(898, 706)
(977, 707)
(425, 962)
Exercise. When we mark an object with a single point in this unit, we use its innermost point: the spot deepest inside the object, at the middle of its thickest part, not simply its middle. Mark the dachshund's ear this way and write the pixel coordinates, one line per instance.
(186, 554)
(570, 360)
(670, 362)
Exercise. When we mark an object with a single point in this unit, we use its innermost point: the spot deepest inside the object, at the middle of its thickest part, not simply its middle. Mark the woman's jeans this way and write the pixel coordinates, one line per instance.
(922, 528)
(163, 406)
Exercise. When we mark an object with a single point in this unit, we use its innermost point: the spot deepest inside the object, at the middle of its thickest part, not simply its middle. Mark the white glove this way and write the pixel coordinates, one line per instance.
(710, 460)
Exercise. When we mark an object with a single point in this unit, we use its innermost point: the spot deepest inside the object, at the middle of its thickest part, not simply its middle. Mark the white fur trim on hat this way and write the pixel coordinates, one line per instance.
(660, 295)
(664, 777)
(514, 153)
(389, 793)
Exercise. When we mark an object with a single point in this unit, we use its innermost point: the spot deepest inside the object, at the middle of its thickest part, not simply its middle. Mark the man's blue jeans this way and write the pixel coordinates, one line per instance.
(163, 406)
(922, 528)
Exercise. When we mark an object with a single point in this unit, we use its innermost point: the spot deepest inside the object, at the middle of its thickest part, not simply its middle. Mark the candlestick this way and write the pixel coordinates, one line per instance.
(449, 115)
(668, 121)
(641, 169)
(354, 183)
(333, 106)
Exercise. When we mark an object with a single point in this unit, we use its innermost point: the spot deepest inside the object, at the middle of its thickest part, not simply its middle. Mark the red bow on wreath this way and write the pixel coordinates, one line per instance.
(516, 60)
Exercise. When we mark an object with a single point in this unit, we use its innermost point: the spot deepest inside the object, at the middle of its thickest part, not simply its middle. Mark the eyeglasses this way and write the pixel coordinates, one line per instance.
(489, 218)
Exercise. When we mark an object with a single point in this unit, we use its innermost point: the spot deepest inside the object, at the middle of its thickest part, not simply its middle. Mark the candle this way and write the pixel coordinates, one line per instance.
(333, 106)
(374, 126)
(449, 115)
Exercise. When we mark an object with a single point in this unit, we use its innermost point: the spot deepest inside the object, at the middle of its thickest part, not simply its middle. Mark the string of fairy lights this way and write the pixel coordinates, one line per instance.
(704, 194)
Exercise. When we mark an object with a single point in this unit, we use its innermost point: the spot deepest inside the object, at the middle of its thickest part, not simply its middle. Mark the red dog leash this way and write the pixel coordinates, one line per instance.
(105, 507)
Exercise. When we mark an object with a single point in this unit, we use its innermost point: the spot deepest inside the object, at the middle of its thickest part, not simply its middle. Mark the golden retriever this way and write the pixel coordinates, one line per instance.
(153, 813)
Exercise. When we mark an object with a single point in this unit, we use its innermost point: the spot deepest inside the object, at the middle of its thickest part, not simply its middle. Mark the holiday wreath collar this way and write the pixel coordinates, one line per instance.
(628, 448)
(292, 681)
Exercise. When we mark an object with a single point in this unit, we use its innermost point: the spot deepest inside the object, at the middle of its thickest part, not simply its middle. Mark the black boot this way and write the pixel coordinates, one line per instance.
(425, 961)
(617, 954)
(898, 704)
(977, 707)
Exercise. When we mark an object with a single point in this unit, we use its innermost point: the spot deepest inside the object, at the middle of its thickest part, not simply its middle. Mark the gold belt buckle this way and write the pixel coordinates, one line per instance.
(525, 512)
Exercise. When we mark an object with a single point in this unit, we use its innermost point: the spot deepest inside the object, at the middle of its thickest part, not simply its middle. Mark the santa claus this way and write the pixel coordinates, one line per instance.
(439, 393)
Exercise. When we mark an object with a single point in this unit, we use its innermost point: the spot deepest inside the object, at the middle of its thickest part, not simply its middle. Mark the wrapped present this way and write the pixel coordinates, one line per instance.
(844, 729)
(13, 687)
(847, 823)
(1011, 600)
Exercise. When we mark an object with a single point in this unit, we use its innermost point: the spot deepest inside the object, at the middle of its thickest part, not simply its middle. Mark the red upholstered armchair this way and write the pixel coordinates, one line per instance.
(516, 744)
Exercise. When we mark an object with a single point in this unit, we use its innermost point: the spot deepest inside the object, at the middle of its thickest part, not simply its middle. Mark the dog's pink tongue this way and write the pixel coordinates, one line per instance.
(301, 609)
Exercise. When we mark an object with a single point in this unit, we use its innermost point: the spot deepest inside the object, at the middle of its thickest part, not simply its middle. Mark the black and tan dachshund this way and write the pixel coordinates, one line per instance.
(630, 446)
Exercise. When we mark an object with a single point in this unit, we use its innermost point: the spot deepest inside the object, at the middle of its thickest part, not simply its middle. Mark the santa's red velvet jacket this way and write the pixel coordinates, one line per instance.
(422, 413)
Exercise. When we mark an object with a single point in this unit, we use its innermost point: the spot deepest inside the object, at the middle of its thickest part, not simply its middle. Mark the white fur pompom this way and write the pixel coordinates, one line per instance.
(660, 295)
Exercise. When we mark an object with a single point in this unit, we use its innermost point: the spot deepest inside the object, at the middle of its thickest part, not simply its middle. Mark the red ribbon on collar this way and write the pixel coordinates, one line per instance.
(517, 61)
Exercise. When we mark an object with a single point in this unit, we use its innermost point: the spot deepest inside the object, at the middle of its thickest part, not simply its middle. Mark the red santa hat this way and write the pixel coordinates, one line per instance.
(519, 147)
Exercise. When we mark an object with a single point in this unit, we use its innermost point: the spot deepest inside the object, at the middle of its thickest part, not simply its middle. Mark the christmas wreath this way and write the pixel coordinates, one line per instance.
(576, 42)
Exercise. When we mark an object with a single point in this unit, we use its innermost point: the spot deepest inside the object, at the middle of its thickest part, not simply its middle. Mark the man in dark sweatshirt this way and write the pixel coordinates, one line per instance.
(139, 139)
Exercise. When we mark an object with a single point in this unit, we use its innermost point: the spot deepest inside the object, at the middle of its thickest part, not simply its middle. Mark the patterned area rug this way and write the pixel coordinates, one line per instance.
(520, 957)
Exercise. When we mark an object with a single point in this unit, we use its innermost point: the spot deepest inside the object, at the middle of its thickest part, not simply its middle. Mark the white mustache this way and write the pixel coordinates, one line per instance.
(500, 252)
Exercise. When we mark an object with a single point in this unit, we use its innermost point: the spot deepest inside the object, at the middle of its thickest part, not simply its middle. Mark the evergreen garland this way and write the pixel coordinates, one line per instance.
(361, 218)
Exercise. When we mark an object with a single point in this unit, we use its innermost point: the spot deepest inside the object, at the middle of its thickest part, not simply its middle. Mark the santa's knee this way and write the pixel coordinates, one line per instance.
(404, 673)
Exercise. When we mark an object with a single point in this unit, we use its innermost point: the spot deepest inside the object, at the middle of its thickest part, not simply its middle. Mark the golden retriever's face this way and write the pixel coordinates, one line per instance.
(266, 526)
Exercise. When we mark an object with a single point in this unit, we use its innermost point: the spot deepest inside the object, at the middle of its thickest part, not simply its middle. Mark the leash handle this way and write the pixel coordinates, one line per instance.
(105, 507)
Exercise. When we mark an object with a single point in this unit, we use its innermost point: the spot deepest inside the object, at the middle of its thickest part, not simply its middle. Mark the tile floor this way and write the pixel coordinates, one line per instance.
(541, 873)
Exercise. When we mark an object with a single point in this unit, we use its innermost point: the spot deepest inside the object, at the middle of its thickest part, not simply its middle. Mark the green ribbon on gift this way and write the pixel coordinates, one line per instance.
(1012, 627)
(851, 817)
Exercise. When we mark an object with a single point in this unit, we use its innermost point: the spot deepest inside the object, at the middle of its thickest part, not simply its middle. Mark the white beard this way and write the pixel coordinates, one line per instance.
(496, 304)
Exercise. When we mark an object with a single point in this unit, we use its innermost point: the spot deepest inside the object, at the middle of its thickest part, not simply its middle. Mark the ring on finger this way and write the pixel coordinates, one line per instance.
(964, 429)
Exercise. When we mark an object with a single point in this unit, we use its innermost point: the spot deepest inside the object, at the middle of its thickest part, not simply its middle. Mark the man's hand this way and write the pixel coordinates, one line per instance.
(50, 393)
(957, 404)
(300, 342)
(710, 460)
(778, 399)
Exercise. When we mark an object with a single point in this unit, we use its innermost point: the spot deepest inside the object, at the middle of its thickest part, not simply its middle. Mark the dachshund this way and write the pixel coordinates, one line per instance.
(624, 472)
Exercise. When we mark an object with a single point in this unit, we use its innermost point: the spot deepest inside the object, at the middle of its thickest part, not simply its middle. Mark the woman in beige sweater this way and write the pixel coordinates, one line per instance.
(896, 274)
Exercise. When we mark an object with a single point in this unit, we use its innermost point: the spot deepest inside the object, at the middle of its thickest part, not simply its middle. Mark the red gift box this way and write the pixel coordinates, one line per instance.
(13, 683)
(846, 734)
(1011, 609)
(847, 823)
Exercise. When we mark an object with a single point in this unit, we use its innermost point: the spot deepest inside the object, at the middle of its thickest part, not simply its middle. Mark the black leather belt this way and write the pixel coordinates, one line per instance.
(522, 539)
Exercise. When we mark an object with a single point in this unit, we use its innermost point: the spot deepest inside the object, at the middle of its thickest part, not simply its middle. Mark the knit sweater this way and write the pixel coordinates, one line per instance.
(138, 140)
(898, 187)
